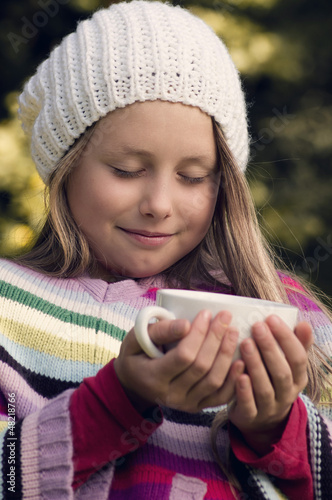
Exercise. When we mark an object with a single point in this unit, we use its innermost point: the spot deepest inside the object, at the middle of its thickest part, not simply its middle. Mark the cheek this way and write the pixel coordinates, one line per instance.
(87, 202)
(199, 208)
(94, 198)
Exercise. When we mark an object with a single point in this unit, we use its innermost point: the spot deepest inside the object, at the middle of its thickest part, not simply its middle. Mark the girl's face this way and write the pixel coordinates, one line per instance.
(145, 188)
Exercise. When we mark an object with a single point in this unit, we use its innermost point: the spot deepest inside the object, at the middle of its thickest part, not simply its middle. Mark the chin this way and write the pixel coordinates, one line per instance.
(142, 273)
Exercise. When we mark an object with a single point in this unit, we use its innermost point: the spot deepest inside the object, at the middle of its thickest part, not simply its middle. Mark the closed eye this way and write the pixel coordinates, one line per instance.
(129, 174)
(126, 174)
(193, 180)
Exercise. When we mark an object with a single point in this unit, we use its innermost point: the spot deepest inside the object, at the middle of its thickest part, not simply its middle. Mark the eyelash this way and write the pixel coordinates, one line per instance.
(125, 174)
(192, 180)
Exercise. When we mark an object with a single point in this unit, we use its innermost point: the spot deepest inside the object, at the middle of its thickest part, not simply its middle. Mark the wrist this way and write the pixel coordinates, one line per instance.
(140, 404)
(261, 442)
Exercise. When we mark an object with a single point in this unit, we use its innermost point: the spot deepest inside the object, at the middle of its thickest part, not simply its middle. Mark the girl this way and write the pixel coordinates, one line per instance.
(138, 128)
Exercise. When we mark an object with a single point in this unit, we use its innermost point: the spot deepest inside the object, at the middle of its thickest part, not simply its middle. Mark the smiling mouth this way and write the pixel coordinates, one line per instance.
(149, 234)
(148, 238)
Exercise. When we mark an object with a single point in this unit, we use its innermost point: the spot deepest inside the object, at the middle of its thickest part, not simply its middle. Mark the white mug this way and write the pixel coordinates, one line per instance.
(186, 304)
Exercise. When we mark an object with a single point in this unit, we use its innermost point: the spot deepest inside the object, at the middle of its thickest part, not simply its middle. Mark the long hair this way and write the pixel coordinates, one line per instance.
(61, 249)
(233, 252)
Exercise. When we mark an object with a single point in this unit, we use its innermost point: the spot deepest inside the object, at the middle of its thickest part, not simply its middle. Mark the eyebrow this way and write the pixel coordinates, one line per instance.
(142, 153)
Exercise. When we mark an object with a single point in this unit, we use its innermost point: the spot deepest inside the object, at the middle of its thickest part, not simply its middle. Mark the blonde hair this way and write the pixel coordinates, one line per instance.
(233, 244)
(61, 249)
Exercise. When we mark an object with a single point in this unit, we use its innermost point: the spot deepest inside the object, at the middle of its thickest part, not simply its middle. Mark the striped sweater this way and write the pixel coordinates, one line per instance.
(53, 334)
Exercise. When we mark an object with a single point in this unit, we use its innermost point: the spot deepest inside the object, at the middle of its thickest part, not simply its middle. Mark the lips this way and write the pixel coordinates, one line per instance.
(148, 238)
(150, 234)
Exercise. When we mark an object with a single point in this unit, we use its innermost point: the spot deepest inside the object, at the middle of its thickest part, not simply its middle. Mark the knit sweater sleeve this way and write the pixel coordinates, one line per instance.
(53, 334)
(288, 461)
(81, 430)
(105, 424)
(36, 451)
(37, 454)
(299, 465)
(35, 438)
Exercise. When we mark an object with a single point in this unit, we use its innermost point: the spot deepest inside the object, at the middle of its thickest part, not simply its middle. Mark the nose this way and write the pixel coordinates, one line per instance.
(156, 201)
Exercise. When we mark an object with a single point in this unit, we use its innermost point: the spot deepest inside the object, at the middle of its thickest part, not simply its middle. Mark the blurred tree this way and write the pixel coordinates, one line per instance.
(284, 52)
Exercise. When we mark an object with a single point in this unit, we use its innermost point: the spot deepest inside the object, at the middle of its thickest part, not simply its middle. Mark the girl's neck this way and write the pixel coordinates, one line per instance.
(100, 272)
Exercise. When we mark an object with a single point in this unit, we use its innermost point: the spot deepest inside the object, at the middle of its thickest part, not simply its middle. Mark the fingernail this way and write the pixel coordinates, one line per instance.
(206, 314)
(260, 329)
(225, 318)
(248, 346)
(239, 368)
(274, 320)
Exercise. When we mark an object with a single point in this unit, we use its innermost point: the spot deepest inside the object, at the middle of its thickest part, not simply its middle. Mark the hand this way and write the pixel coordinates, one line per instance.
(195, 374)
(276, 365)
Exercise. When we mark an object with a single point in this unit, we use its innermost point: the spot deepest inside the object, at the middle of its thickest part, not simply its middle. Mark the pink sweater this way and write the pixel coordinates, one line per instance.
(150, 461)
(63, 411)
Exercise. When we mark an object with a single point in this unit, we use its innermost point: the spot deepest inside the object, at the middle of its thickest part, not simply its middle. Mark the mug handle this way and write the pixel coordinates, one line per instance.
(141, 328)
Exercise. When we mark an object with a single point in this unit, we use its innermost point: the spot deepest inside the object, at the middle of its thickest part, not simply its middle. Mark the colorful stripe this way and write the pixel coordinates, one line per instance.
(47, 387)
(36, 303)
(55, 332)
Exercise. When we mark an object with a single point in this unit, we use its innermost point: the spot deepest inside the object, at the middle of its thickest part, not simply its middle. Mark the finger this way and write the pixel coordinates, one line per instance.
(304, 333)
(178, 359)
(294, 351)
(217, 330)
(276, 363)
(208, 353)
(227, 391)
(284, 335)
(262, 387)
(129, 345)
(245, 408)
(216, 367)
(166, 331)
(197, 334)
(161, 333)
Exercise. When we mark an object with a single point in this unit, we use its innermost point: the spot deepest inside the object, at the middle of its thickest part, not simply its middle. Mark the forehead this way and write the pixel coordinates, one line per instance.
(157, 123)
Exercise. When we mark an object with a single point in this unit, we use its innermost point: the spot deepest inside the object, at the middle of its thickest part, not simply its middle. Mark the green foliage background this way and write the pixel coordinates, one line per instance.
(282, 48)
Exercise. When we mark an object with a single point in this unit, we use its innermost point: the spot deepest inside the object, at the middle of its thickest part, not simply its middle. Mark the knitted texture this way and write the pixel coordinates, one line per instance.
(53, 334)
(138, 51)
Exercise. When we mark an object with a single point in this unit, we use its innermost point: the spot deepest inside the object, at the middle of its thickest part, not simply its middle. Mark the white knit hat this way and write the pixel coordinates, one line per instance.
(137, 51)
